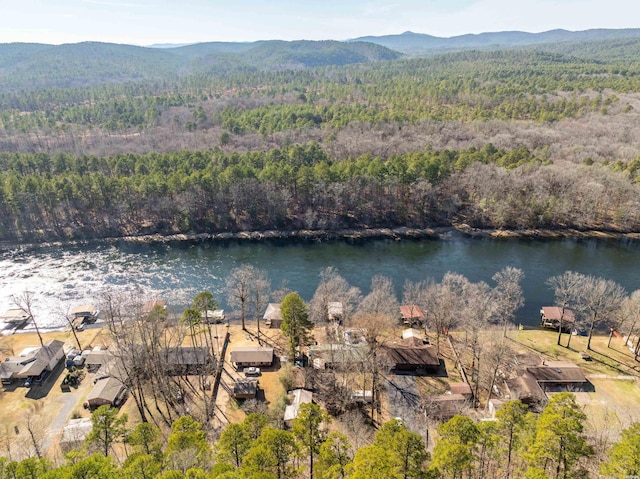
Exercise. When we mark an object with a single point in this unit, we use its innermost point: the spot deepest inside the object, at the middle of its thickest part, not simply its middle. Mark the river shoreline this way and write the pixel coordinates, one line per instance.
(396, 234)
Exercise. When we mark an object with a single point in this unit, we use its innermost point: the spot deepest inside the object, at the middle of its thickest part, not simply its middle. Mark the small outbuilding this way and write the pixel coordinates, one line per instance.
(462, 389)
(338, 356)
(245, 388)
(273, 316)
(445, 406)
(251, 356)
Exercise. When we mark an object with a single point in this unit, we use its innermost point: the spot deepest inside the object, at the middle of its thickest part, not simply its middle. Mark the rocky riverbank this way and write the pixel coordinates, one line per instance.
(396, 234)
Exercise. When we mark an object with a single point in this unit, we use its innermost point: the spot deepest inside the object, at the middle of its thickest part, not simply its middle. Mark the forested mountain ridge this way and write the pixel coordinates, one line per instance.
(421, 44)
(37, 66)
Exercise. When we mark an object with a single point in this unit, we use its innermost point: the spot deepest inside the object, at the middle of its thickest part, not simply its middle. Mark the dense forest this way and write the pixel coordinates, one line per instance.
(300, 187)
(107, 140)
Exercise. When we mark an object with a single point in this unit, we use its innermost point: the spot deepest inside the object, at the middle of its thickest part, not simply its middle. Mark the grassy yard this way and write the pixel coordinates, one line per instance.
(615, 360)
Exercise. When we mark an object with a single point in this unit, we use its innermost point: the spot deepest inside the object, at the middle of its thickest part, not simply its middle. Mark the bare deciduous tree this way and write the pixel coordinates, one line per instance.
(333, 288)
(565, 288)
(599, 299)
(508, 294)
(25, 301)
(629, 319)
(247, 287)
(382, 299)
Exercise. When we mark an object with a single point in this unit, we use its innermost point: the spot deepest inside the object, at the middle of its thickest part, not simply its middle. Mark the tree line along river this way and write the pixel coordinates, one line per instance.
(65, 276)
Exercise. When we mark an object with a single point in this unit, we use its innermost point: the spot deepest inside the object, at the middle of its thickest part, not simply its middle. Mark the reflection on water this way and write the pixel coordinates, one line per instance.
(63, 277)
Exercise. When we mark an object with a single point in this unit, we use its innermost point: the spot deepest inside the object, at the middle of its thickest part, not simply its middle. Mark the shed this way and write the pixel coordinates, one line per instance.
(461, 388)
(362, 395)
(213, 316)
(273, 316)
(412, 333)
(412, 337)
(251, 356)
(245, 388)
(106, 391)
(300, 396)
(445, 406)
(96, 358)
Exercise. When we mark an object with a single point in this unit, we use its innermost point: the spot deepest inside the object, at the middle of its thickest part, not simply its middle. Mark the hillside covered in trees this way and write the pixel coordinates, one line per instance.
(107, 140)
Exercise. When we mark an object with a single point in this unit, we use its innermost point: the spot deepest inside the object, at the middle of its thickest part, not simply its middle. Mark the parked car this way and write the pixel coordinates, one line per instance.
(28, 382)
(252, 371)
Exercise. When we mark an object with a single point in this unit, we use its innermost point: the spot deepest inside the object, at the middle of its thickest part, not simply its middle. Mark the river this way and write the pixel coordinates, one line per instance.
(65, 276)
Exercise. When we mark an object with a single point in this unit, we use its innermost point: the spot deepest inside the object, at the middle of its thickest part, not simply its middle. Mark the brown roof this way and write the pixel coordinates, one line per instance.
(525, 387)
(245, 387)
(557, 372)
(251, 354)
(105, 389)
(554, 313)
(418, 356)
(460, 388)
(411, 311)
(187, 355)
(448, 405)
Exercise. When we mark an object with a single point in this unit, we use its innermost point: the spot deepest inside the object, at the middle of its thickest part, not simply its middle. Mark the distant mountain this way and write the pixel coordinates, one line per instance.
(419, 43)
(25, 66)
(168, 45)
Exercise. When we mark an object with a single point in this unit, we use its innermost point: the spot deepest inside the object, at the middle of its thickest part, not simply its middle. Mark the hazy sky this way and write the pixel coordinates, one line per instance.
(144, 22)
